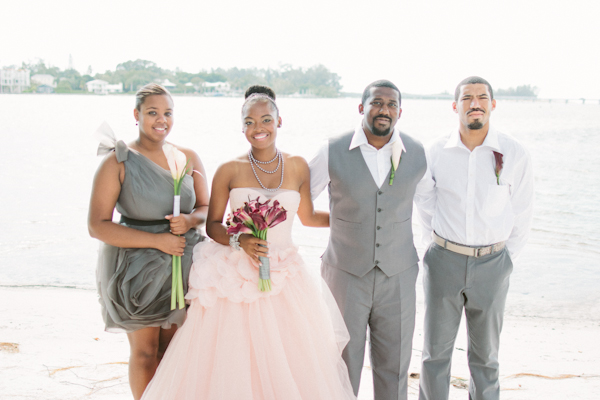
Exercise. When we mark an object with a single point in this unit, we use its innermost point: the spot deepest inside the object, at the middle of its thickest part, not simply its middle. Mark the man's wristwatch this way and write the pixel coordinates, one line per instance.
(234, 241)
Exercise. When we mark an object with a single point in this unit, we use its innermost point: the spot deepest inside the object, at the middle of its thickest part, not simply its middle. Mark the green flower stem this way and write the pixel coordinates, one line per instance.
(173, 284)
(176, 274)
(264, 285)
(392, 174)
(180, 284)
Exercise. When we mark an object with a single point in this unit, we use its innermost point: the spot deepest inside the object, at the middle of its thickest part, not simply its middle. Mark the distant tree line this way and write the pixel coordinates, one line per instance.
(286, 80)
(524, 91)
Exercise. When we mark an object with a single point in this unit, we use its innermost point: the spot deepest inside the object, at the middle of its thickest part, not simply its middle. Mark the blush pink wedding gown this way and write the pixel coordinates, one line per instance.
(238, 343)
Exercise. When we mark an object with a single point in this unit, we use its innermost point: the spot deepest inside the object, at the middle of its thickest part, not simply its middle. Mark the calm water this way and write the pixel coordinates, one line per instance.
(48, 160)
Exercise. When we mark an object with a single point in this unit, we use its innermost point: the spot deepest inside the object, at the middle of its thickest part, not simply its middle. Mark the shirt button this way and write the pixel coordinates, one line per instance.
(376, 244)
(378, 228)
(379, 210)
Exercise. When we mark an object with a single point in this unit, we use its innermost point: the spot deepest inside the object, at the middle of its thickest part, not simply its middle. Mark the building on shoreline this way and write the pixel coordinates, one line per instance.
(216, 88)
(168, 84)
(14, 80)
(45, 83)
(98, 86)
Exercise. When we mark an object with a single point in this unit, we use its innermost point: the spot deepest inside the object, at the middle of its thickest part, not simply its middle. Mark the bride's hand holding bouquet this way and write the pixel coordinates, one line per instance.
(256, 218)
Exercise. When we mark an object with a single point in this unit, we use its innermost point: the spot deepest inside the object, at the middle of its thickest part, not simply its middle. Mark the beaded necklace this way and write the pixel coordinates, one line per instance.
(254, 162)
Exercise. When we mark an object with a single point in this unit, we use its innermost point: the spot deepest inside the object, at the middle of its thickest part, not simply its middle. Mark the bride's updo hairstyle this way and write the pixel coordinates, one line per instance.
(151, 89)
(260, 89)
(256, 94)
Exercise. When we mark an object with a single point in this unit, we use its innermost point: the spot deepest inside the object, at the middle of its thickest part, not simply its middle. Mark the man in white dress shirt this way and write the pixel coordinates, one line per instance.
(370, 263)
(475, 203)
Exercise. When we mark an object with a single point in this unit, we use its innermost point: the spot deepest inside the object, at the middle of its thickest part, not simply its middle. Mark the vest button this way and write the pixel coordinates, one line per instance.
(376, 244)
(380, 192)
(379, 210)
(378, 228)
(376, 262)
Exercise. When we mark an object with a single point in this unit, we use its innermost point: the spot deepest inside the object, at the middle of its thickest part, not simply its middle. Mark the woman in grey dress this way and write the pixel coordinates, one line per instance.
(134, 265)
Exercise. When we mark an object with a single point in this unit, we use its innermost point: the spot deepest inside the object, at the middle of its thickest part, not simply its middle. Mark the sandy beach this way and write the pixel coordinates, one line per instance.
(53, 346)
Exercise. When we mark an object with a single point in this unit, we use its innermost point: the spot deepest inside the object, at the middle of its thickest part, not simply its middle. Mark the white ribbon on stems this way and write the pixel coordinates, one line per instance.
(178, 167)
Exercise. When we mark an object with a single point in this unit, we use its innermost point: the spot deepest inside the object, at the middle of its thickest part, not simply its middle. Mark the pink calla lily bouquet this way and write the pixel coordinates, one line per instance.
(256, 218)
(178, 167)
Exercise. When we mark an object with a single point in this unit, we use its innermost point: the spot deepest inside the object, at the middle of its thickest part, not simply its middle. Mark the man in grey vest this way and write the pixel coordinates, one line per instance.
(370, 263)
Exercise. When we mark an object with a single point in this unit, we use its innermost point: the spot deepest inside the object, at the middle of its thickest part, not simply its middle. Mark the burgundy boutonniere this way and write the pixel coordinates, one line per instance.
(499, 165)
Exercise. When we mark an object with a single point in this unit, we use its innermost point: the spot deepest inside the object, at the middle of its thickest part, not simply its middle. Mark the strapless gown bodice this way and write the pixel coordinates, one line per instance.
(222, 272)
(281, 234)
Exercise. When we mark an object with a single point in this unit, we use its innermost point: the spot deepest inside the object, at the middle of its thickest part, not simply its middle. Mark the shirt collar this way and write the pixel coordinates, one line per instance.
(360, 138)
(491, 140)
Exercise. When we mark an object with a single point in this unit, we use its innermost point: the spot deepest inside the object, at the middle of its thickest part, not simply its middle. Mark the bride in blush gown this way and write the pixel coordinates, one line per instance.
(239, 342)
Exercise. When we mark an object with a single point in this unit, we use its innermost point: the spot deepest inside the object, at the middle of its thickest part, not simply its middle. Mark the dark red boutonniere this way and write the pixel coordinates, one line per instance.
(499, 165)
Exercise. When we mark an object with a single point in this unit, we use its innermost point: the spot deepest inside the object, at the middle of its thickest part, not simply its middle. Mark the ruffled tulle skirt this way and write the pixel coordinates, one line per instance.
(240, 343)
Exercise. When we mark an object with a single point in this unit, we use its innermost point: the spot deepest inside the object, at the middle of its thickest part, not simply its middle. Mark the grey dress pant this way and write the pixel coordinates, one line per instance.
(479, 285)
(387, 306)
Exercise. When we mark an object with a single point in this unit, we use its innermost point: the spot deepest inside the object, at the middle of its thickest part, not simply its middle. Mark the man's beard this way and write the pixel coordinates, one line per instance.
(384, 132)
(475, 125)
(378, 132)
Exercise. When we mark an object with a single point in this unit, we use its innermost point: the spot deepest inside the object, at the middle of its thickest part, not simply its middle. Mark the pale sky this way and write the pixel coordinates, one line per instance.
(422, 46)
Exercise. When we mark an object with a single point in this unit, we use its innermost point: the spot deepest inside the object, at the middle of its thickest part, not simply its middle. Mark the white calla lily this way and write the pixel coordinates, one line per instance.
(171, 154)
(397, 149)
(180, 163)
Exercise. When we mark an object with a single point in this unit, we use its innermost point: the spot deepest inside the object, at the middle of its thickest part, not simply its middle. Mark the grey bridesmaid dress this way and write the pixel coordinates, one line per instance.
(134, 285)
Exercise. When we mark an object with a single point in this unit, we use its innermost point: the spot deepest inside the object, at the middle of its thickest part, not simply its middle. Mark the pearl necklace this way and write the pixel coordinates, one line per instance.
(264, 162)
(256, 162)
(253, 160)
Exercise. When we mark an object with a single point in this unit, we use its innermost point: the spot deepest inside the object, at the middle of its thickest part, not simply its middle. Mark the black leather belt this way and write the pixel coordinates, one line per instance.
(139, 222)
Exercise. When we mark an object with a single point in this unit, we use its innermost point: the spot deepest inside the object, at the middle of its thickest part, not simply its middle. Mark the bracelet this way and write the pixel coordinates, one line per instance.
(234, 241)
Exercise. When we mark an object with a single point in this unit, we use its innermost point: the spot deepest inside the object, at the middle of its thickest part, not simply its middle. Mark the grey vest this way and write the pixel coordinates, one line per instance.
(370, 226)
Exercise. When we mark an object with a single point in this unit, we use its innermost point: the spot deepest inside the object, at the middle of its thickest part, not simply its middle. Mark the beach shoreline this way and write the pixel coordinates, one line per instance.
(53, 346)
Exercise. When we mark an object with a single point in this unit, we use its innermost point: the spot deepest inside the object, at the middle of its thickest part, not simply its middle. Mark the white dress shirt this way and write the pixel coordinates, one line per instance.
(379, 161)
(459, 197)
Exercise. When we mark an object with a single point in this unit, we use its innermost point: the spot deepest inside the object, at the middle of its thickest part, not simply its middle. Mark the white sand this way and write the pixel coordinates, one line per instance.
(64, 353)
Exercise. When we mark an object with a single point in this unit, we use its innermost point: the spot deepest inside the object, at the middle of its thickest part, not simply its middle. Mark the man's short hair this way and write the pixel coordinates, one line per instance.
(471, 80)
(380, 83)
